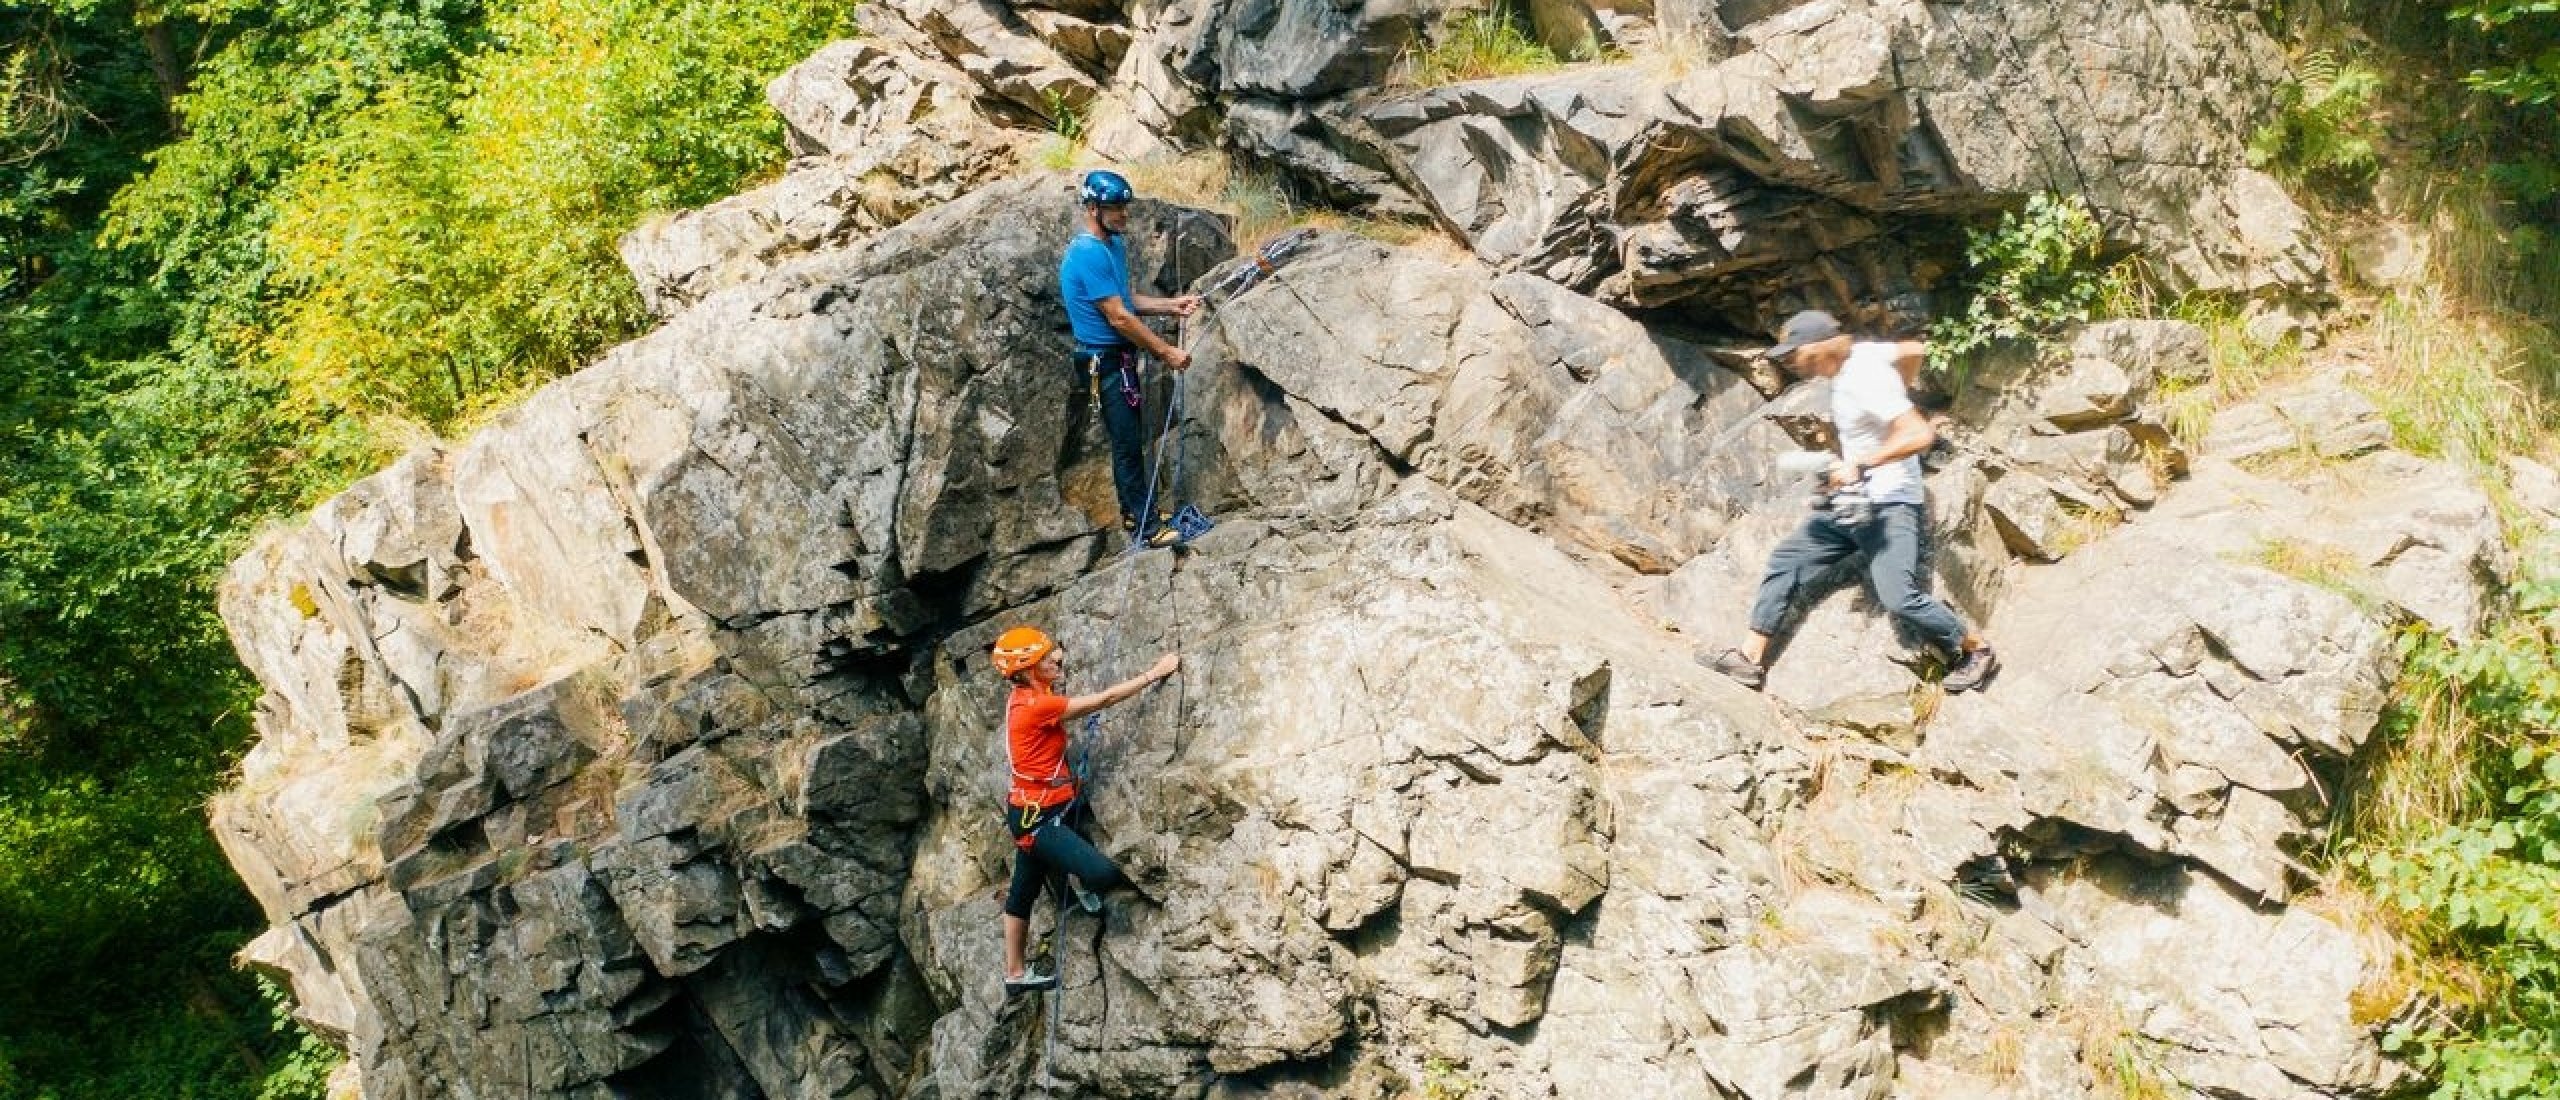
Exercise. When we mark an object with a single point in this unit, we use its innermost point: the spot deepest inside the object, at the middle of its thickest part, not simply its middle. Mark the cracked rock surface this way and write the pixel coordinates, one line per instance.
(1720, 164)
(643, 744)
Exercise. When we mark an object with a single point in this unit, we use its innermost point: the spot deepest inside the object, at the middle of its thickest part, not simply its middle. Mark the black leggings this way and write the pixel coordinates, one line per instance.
(1058, 847)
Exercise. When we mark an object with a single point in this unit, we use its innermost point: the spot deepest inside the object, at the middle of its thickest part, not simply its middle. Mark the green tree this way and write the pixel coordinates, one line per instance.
(166, 228)
(454, 241)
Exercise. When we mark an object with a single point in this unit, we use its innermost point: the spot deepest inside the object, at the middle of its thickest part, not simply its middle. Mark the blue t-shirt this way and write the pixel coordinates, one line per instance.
(1092, 271)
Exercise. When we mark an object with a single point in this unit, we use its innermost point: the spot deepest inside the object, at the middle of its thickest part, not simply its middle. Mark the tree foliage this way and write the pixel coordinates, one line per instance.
(215, 285)
(2524, 39)
(455, 239)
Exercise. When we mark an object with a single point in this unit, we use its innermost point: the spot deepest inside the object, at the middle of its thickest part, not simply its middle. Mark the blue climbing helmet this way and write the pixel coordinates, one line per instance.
(1105, 188)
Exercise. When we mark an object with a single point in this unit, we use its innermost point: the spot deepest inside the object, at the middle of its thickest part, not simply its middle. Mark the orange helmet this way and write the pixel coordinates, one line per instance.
(1021, 648)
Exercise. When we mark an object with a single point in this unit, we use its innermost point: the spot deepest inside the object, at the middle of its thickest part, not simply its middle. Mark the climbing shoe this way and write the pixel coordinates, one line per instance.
(1031, 981)
(1977, 669)
(1743, 670)
(1163, 537)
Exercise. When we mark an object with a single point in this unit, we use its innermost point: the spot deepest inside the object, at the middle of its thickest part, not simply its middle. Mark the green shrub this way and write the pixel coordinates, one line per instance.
(303, 1072)
(2482, 867)
(2324, 131)
(2526, 42)
(1066, 134)
(2035, 273)
(453, 243)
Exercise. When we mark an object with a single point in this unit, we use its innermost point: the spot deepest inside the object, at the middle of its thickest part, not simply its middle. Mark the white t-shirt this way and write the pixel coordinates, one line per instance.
(1866, 396)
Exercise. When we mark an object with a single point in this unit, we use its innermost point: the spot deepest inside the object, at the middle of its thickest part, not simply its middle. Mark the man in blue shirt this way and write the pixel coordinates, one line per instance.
(1093, 277)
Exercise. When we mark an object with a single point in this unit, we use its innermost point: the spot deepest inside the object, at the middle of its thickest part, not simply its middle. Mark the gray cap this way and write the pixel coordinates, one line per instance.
(1809, 327)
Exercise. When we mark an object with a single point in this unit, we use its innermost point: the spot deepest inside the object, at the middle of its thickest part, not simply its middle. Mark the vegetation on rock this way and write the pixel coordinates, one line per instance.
(1479, 45)
(2034, 273)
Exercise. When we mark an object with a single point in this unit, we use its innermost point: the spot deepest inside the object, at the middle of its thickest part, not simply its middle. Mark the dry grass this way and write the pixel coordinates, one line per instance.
(2423, 769)
(2004, 1053)
(2320, 565)
(1927, 698)
(1193, 179)
(2081, 526)
(2449, 379)
(1678, 56)
(2124, 1064)
(1260, 203)
(2395, 972)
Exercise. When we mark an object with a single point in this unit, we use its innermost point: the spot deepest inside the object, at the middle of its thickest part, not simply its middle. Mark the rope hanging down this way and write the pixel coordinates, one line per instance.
(1084, 751)
(1081, 750)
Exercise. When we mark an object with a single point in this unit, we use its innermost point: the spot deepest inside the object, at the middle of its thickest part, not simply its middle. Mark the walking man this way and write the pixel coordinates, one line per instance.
(1042, 802)
(1104, 315)
(1881, 439)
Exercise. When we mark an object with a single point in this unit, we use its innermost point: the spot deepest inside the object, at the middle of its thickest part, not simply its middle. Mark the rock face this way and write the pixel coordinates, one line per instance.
(1722, 165)
(644, 743)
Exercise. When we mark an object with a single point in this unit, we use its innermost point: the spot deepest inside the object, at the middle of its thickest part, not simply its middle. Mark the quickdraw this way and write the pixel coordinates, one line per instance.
(1264, 263)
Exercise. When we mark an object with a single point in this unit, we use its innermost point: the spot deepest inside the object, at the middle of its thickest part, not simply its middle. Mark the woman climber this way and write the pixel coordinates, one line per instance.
(1042, 807)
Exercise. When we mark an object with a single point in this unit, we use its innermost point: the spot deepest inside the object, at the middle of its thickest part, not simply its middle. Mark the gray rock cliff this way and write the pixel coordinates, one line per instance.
(644, 745)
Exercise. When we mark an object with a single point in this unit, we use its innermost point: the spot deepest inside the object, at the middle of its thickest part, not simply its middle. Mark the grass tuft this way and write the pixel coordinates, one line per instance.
(2320, 565)
(1479, 46)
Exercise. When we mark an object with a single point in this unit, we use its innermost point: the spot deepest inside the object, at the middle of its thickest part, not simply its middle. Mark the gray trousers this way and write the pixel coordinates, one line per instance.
(1893, 542)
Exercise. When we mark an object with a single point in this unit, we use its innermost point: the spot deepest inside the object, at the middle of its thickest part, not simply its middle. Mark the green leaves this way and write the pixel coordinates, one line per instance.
(371, 198)
(2033, 274)
(2325, 127)
(453, 241)
(2521, 33)
(2491, 881)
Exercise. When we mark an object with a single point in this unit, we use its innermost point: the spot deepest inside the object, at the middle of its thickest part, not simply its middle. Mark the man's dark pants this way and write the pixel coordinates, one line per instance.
(1893, 544)
(1111, 377)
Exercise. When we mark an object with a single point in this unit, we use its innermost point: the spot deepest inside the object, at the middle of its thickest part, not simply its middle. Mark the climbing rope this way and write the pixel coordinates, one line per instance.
(1083, 751)
(1088, 752)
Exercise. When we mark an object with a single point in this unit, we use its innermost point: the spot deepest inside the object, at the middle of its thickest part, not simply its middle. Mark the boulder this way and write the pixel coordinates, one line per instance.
(882, 136)
(2322, 419)
(1796, 165)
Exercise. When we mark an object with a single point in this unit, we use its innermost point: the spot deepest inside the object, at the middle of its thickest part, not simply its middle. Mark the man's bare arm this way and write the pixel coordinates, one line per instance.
(1136, 331)
(1908, 435)
(1166, 307)
(1908, 357)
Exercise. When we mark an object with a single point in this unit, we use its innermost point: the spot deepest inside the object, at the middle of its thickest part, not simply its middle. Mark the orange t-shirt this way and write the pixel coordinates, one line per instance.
(1036, 735)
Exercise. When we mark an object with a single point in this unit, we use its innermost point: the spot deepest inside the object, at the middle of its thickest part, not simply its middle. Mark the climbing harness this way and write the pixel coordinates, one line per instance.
(1085, 754)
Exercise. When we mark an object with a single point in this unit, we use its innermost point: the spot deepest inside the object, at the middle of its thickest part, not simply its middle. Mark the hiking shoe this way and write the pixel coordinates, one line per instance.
(1743, 670)
(1975, 670)
(1031, 981)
